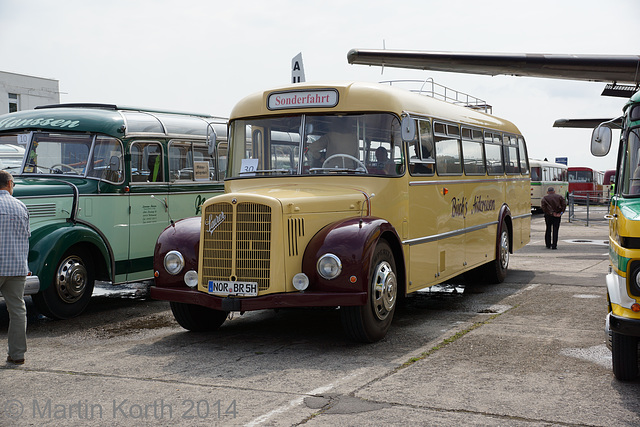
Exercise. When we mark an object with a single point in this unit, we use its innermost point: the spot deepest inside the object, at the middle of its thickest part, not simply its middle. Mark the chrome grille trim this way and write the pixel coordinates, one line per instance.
(239, 246)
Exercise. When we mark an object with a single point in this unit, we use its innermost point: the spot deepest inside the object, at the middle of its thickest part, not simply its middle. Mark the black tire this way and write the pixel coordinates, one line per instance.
(197, 318)
(370, 322)
(496, 270)
(70, 291)
(624, 354)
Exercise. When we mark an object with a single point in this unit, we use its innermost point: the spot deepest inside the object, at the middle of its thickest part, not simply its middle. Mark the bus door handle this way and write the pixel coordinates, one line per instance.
(609, 216)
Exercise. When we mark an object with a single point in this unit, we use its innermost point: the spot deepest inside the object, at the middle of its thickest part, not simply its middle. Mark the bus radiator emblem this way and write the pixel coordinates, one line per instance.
(213, 223)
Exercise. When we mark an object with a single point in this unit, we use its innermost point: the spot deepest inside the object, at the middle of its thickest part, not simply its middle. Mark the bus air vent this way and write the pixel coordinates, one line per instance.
(295, 229)
(42, 210)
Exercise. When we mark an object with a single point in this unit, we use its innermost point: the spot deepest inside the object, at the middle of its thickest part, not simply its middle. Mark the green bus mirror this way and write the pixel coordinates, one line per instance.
(211, 139)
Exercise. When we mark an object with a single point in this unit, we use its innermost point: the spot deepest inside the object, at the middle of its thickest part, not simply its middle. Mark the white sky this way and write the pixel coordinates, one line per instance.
(204, 56)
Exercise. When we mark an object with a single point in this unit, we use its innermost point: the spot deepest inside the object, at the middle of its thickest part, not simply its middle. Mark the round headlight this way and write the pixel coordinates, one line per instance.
(300, 281)
(191, 278)
(329, 266)
(173, 262)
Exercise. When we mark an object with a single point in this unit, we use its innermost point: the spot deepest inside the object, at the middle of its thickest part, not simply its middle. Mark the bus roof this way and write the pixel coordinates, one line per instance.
(116, 121)
(370, 97)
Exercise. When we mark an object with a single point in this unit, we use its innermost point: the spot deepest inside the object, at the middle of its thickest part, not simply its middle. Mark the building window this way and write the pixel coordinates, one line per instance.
(13, 102)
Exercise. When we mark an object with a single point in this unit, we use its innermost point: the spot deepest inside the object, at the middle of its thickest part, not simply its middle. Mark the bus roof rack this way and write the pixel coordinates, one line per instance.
(430, 88)
(114, 107)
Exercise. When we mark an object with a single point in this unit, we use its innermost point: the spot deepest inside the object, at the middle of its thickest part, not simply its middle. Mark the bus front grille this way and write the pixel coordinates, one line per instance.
(237, 243)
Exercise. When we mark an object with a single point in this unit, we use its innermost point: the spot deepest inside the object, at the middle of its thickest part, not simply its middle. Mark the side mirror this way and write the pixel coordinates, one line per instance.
(211, 139)
(408, 129)
(601, 141)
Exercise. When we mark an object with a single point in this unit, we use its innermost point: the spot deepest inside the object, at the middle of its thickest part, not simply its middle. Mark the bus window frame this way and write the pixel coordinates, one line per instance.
(493, 138)
(104, 176)
(418, 164)
(472, 140)
(453, 138)
(145, 158)
(193, 145)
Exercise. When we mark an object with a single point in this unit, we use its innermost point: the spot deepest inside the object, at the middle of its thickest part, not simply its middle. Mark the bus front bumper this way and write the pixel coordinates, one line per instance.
(285, 300)
(32, 285)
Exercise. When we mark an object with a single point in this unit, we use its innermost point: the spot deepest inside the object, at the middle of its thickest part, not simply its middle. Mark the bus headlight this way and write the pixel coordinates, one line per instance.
(173, 262)
(191, 278)
(329, 266)
(300, 281)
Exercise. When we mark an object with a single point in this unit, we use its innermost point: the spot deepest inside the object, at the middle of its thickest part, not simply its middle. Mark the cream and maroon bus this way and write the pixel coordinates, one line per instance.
(347, 195)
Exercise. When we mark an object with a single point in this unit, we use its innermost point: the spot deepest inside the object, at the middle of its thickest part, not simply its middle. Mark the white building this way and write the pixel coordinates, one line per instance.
(21, 92)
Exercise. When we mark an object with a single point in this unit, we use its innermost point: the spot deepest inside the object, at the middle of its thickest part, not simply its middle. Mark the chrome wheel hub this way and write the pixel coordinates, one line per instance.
(71, 279)
(384, 290)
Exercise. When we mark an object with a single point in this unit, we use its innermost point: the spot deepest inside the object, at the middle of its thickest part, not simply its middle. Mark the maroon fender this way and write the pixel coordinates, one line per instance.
(183, 236)
(353, 242)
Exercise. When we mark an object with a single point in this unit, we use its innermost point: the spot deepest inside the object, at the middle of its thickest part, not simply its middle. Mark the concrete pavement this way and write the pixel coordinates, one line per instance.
(527, 352)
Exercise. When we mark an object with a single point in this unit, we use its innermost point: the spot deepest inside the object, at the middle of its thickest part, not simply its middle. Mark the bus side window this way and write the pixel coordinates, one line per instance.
(146, 162)
(493, 153)
(447, 142)
(107, 160)
(421, 150)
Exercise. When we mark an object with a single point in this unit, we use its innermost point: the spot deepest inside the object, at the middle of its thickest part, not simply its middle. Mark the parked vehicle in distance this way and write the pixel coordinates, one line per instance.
(609, 183)
(100, 183)
(348, 195)
(586, 184)
(11, 156)
(545, 174)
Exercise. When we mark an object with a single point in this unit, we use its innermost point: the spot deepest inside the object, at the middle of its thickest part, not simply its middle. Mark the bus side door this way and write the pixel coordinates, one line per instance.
(148, 207)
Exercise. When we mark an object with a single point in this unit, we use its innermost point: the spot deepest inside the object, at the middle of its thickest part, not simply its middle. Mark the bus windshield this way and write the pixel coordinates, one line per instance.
(75, 154)
(630, 174)
(330, 144)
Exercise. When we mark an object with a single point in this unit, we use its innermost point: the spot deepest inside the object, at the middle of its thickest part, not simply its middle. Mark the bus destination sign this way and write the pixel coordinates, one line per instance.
(302, 99)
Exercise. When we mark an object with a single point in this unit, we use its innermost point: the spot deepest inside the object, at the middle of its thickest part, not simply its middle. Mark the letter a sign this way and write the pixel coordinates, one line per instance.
(297, 69)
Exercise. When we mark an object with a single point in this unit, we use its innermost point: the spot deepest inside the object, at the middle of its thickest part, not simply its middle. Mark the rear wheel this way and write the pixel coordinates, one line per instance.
(624, 354)
(496, 271)
(71, 288)
(197, 318)
(370, 322)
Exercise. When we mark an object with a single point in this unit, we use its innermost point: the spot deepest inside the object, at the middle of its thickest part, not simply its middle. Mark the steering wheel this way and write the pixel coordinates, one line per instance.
(360, 165)
(66, 166)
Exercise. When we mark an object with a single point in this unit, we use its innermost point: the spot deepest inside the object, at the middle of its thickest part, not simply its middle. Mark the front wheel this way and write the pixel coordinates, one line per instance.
(71, 288)
(370, 322)
(197, 318)
(624, 355)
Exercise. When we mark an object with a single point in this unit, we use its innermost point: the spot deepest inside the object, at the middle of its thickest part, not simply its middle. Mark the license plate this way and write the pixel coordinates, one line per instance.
(222, 287)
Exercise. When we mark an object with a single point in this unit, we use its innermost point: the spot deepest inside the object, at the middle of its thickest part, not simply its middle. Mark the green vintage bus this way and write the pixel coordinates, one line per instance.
(622, 326)
(100, 183)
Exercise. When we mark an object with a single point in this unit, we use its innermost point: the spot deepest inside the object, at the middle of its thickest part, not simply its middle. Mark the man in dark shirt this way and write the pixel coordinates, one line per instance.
(553, 205)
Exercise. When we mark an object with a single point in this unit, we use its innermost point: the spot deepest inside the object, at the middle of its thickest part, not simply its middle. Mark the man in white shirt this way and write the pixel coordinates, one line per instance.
(14, 249)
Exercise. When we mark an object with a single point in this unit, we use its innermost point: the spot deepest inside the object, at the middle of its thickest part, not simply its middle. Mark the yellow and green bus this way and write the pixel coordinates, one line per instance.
(623, 279)
(348, 195)
(100, 183)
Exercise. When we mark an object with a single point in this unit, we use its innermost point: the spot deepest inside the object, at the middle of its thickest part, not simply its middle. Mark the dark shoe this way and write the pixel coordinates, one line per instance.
(15, 361)
(553, 247)
(548, 247)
